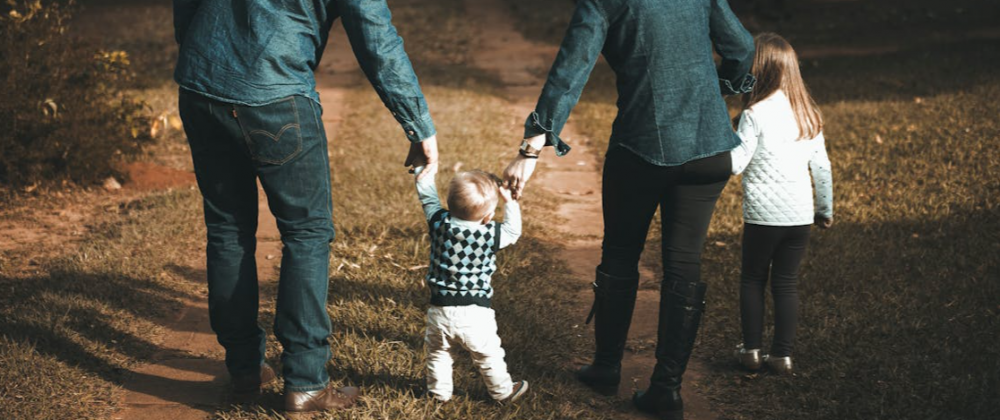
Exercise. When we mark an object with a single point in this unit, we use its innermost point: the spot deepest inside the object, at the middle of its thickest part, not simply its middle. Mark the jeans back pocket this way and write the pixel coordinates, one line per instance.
(272, 132)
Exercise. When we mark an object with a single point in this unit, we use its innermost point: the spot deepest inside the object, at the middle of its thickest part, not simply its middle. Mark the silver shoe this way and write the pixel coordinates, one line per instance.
(748, 358)
(779, 365)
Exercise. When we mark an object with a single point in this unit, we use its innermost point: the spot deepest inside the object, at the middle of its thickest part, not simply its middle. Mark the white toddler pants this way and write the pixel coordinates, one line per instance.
(475, 329)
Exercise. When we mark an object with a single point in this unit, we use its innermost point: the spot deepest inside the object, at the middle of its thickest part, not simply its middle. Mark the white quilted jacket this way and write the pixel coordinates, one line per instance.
(776, 166)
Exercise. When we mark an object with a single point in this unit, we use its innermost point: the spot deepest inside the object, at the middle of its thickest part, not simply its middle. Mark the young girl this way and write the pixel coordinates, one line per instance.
(782, 134)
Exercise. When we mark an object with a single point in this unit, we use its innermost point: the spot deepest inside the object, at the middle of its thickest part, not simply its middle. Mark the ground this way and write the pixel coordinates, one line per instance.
(899, 320)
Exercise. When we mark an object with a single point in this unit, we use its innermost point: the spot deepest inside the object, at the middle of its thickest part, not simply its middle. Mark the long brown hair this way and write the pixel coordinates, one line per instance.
(776, 66)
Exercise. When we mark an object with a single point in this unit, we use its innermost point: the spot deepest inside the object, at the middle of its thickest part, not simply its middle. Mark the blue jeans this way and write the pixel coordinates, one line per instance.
(284, 145)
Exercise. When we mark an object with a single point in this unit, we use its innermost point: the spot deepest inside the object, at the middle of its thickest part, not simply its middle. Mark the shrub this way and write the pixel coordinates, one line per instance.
(64, 114)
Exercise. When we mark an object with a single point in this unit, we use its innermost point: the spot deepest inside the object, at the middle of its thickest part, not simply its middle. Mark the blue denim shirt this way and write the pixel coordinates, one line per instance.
(670, 108)
(256, 52)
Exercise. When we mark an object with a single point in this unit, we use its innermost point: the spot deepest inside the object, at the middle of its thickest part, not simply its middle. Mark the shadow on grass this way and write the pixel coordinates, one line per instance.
(381, 315)
(86, 319)
(927, 70)
(898, 317)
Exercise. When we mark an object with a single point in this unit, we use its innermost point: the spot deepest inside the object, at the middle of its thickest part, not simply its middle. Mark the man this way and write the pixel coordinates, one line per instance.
(251, 111)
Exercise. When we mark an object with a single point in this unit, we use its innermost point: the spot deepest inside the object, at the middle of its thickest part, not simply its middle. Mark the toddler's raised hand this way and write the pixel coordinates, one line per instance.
(505, 193)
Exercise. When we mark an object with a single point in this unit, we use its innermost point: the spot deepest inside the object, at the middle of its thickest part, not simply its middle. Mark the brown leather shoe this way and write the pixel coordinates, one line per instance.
(250, 384)
(329, 398)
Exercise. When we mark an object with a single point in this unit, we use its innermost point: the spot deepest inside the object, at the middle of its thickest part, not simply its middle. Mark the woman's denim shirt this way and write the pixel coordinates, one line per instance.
(670, 109)
(257, 52)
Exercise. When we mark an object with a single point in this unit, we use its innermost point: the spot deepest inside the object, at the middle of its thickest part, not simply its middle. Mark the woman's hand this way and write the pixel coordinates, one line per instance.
(518, 173)
(519, 170)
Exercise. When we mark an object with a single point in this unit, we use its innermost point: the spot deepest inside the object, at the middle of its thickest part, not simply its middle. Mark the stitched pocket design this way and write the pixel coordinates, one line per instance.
(275, 137)
(273, 132)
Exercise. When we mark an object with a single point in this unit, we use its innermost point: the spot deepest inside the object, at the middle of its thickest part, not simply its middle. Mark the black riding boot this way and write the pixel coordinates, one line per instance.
(681, 306)
(614, 300)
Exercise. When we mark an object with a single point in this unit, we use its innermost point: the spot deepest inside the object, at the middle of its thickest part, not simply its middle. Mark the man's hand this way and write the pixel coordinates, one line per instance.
(423, 154)
(823, 222)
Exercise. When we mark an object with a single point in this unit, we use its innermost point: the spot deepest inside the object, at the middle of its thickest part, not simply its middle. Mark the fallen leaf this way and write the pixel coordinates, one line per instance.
(112, 184)
(878, 139)
(155, 127)
(175, 122)
(49, 108)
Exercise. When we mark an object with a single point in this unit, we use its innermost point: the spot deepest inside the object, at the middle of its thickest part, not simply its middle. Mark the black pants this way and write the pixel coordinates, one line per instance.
(686, 196)
(778, 249)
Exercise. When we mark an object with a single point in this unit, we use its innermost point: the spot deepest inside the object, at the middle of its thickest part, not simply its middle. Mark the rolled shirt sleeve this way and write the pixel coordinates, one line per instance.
(576, 59)
(822, 175)
(379, 50)
(735, 45)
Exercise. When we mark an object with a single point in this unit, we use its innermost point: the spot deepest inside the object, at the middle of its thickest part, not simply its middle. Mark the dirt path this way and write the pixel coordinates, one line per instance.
(518, 63)
(187, 379)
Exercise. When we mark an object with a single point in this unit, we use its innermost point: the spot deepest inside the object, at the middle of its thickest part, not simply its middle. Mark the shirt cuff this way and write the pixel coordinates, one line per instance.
(419, 130)
(533, 127)
(746, 86)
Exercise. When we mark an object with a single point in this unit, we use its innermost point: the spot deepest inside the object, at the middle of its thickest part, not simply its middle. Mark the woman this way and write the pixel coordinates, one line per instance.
(669, 149)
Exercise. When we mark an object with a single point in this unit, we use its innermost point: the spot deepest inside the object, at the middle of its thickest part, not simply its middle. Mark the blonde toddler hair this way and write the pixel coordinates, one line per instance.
(473, 195)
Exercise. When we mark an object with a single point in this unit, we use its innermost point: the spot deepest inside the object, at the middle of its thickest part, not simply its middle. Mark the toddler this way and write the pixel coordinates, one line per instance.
(464, 242)
(782, 133)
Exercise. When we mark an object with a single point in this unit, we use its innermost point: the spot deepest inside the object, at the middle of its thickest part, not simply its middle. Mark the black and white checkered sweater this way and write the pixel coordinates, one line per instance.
(462, 263)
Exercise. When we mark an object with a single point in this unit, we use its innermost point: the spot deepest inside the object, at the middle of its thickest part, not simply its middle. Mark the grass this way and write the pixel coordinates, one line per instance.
(899, 314)
(75, 321)
(899, 317)
(378, 303)
(88, 316)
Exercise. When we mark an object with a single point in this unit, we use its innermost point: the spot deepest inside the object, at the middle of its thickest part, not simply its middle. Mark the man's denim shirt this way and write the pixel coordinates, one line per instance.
(670, 109)
(256, 52)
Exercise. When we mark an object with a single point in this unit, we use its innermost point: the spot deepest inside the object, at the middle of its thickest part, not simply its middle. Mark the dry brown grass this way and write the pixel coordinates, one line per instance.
(899, 314)
(75, 319)
(88, 316)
